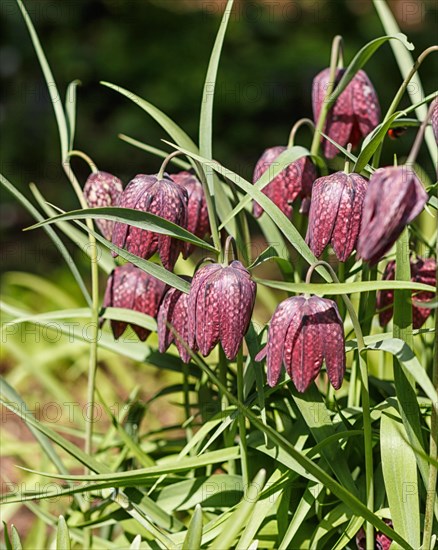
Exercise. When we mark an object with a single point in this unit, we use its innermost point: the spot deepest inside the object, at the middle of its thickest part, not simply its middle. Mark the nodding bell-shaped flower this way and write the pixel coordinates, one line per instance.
(220, 305)
(197, 213)
(422, 271)
(162, 197)
(103, 189)
(304, 332)
(335, 213)
(173, 310)
(292, 182)
(395, 196)
(130, 287)
(354, 115)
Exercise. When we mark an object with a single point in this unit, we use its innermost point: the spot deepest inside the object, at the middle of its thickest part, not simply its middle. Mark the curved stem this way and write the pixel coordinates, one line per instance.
(347, 160)
(302, 122)
(84, 156)
(398, 96)
(365, 399)
(228, 242)
(419, 138)
(166, 161)
(326, 105)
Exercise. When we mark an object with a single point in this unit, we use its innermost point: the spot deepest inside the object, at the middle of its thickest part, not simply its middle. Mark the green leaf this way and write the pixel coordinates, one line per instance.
(104, 258)
(56, 240)
(15, 539)
(194, 532)
(136, 218)
(400, 476)
(136, 543)
(405, 62)
(361, 58)
(62, 535)
(6, 536)
(343, 288)
(206, 117)
(163, 120)
(281, 162)
(283, 223)
(236, 521)
(70, 110)
(50, 82)
(158, 152)
(268, 254)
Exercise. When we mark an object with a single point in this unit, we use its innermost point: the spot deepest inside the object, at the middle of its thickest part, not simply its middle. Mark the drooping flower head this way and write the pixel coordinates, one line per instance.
(292, 182)
(395, 196)
(197, 213)
(354, 115)
(422, 271)
(434, 118)
(302, 334)
(103, 189)
(164, 198)
(220, 305)
(130, 287)
(173, 310)
(335, 213)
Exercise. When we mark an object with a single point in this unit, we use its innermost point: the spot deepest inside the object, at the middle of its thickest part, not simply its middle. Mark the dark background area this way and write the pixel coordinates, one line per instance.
(159, 49)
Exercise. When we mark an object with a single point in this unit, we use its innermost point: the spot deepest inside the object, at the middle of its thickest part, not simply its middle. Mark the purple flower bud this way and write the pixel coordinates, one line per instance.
(164, 198)
(434, 118)
(103, 189)
(173, 310)
(197, 222)
(303, 333)
(395, 196)
(355, 113)
(220, 305)
(335, 213)
(130, 287)
(294, 181)
(422, 271)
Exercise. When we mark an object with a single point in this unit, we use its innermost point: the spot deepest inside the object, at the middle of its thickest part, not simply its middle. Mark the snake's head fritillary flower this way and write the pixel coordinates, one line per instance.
(382, 541)
(220, 305)
(335, 213)
(173, 311)
(434, 118)
(130, 287)
(304, 332)
(164, 198)
(422, 271)
(395, 196)
(292, 182)
(197, 213)
(103, 189)
(355, 113)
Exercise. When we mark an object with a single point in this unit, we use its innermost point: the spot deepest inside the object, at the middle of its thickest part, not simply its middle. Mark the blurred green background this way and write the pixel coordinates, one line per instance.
(160, 49)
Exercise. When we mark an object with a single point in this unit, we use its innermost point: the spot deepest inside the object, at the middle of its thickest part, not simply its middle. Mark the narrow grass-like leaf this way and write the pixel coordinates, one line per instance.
(70, 111)
(405, 63)
(283, 223)
(15, 539)
(400, 476)
(6, 536)
(62, 535)
(80, 238)
(194, 532)
(56, 240)
(50, 82)
(281, 162)
(236, 521)
(157, 152)
(322, 289)
(136, 543)
(136, 218)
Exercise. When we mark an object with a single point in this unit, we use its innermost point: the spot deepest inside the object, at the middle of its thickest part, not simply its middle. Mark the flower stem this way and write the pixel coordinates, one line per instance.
(347, 160)
(433, 453)
(241, 419)
(419, 138)
(326, 105)
(302, 122)
(369, 473)
(165, 162)
(84, 156)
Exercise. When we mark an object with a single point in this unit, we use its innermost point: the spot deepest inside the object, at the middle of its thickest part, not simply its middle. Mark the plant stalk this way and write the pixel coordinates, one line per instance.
(241, 418)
